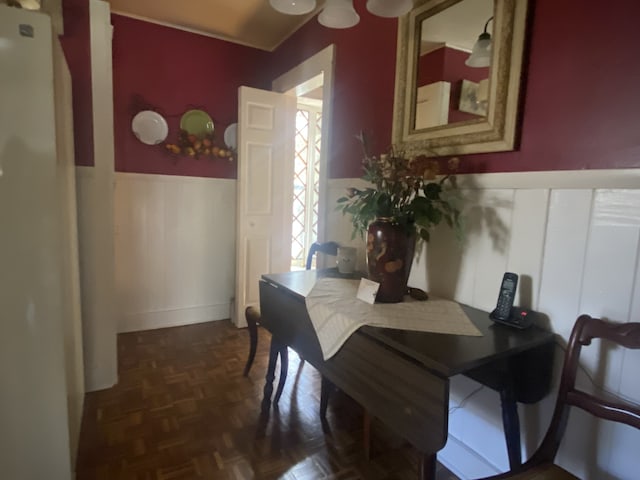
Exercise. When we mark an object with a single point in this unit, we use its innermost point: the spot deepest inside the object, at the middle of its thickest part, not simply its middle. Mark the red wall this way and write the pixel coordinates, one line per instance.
(580, 110)
(582, 102)
(363, 85)
(172, 71)
(581, 106)
(76, 45)
(447, 64)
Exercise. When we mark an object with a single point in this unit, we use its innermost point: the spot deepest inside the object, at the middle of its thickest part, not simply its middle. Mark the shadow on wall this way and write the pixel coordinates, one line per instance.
(441, 261)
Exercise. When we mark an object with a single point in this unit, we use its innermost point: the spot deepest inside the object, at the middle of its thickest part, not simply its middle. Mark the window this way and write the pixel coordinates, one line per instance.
(306, 180)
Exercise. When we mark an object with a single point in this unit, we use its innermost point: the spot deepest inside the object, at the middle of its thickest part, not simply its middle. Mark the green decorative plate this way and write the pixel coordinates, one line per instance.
(197, 122)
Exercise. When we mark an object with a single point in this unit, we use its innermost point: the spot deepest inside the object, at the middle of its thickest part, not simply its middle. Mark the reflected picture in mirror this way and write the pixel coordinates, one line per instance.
(458, 76)
(450, 88)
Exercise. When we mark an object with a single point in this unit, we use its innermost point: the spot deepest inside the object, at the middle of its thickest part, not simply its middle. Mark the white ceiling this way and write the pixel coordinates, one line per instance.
(255, 23)
(247, 22)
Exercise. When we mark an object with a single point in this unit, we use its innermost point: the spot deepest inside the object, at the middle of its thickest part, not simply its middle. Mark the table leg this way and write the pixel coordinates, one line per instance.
(326, 387)
(511, 424)
(428, 466)
(284, 369)
(274, 350)
(252, 326)
(366, 434)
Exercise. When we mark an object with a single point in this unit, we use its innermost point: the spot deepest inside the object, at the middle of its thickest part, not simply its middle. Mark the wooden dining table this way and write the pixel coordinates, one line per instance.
(402, 377)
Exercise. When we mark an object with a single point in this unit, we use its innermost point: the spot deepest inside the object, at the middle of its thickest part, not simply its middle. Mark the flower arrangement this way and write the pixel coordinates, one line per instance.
(414, 192)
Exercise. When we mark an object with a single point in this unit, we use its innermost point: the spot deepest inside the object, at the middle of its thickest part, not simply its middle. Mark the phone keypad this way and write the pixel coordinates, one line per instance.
(503, 309)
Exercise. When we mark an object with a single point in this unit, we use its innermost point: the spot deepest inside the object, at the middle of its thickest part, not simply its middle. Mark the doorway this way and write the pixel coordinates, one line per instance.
(266, 152)
(311, 83)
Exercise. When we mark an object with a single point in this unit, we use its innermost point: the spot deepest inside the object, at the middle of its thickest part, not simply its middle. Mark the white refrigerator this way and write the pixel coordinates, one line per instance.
(34, 429)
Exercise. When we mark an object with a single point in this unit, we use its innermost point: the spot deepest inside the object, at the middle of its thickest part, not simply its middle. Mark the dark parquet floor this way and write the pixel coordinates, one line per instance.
(183, 410)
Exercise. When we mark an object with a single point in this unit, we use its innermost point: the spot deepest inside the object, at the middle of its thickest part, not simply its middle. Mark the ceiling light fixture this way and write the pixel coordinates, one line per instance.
(389, 8)
(338, 14)
(293, 7)
(481, 52)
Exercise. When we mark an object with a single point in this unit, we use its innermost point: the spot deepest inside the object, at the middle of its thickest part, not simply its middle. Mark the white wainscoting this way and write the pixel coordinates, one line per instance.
(95, 242)
(574, 239)
(175, 249)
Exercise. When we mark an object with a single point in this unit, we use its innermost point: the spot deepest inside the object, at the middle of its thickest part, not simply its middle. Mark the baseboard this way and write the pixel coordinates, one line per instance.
(164, 178)
(132, 322)
(94, 381)
(464, 462)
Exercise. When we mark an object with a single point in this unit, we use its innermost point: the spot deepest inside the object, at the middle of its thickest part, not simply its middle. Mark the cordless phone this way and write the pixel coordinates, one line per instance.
(506, 297)
(505, 312)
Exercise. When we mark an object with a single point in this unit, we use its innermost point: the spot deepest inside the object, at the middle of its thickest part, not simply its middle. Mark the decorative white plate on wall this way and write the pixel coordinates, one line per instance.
(231, 136)
(150, 127)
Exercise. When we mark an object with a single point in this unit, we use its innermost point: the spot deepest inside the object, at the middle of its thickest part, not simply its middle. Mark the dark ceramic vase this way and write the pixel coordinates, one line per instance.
(389, 257)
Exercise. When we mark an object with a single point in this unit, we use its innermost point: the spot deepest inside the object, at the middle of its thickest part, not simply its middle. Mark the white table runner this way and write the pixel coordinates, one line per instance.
(336, 313)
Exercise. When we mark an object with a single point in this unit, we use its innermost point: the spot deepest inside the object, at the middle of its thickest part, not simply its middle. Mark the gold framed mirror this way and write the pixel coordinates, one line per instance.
(442, 105)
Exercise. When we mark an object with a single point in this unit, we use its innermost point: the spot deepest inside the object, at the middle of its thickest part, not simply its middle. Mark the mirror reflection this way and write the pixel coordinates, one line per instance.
(467, 105)
(453, 65)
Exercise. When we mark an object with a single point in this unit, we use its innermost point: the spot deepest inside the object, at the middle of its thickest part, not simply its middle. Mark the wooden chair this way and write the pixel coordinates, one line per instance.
(541, 464)
(328, 248)
(252, 314)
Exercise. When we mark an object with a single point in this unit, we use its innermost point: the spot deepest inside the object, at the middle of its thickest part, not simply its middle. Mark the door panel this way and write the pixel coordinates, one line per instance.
(266, 129)
(259, 182)
(257, 253)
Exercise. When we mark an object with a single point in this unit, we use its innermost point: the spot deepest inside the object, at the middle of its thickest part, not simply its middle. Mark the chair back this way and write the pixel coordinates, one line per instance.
(584, 331)
(329, 248)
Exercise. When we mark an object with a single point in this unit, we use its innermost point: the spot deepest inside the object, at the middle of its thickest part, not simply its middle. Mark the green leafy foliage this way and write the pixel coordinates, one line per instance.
(410, 191)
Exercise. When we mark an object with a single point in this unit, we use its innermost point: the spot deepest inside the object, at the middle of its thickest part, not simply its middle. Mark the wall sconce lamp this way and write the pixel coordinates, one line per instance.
(340, 13)
(481, 52)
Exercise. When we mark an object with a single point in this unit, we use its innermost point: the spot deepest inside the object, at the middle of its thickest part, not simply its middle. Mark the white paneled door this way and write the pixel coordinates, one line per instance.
(265, 191)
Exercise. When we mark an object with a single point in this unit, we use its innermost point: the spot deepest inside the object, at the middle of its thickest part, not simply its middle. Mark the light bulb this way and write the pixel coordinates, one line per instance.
(293, 7)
